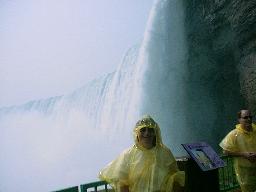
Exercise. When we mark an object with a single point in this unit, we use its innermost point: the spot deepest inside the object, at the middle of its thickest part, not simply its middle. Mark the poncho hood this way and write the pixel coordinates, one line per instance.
(239, 128)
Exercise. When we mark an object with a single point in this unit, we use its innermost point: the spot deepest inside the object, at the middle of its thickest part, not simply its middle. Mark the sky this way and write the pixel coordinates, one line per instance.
(52, 47)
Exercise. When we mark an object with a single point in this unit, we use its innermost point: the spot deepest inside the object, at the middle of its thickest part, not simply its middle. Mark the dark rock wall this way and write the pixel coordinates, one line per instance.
(240, 15)
(221, 76)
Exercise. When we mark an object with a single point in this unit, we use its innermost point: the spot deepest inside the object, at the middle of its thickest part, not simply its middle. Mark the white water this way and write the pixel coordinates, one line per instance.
(64, 141)
(163, 57)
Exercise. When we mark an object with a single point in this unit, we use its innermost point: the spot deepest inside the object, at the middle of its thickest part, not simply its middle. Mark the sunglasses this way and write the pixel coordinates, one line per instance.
(247, 117)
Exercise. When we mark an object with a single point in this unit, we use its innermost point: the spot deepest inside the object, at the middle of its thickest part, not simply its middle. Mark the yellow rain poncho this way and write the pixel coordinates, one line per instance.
(239, 140)
(144, 170)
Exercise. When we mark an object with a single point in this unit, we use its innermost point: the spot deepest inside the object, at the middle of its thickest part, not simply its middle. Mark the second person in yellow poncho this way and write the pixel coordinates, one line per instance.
(148, 166)
(241, 144)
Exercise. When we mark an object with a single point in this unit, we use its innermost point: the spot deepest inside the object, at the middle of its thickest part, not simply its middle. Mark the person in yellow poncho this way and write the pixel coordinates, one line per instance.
(148, 166)
(241, 144)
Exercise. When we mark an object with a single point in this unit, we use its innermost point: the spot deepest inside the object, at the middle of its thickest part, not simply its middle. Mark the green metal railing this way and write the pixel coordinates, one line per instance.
(227, 181)
(227, 176)
(96, 186)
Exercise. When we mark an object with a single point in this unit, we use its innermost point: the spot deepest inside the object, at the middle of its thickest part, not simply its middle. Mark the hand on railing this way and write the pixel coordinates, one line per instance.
(251, 156)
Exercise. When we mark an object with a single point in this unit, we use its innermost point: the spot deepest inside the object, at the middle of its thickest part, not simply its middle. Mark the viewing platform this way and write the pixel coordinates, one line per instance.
(217, 180)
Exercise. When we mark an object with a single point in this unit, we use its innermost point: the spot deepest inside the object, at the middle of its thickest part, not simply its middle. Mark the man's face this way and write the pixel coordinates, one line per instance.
(245, 119)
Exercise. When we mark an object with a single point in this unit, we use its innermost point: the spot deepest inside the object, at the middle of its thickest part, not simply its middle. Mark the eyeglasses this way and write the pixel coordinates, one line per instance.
(247, 117)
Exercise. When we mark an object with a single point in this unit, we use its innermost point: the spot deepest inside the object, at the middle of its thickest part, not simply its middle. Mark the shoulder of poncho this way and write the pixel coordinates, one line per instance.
(128, 150)
(165, 150)
(233, 132)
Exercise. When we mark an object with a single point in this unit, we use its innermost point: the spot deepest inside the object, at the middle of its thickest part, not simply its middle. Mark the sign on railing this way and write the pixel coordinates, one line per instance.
(202, 153)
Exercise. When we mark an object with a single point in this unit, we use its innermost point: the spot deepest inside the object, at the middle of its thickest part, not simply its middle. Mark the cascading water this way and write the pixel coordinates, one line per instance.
(61, 141)
(163, 57)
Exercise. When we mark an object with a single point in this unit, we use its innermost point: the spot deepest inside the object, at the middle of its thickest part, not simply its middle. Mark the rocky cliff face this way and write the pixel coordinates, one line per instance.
(221, 78)
(242, 18)
(229, 28)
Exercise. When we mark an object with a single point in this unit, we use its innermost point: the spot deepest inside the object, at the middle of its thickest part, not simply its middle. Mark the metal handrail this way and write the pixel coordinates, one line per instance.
(227, 180)
(227, 176)
(95, 185)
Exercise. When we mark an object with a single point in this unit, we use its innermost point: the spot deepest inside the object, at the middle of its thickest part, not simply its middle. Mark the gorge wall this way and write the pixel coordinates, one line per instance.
(221, 61)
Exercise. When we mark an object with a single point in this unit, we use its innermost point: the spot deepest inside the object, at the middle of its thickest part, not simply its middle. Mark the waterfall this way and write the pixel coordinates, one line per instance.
(163, 57)
(66, 140)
